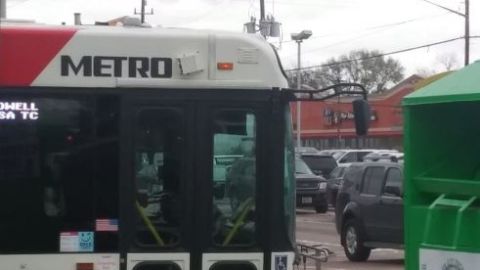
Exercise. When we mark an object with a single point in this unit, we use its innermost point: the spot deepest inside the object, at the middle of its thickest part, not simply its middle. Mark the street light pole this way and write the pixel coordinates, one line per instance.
(466, 16)
(299, 37)
(299, 104)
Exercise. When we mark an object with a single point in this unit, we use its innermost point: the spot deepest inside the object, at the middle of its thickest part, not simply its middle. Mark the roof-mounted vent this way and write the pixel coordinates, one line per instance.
(131, 21)
(77, 18)
(125, 21)
(247, 55)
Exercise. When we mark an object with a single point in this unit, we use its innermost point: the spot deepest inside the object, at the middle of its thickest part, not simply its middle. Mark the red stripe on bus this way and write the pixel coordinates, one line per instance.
(25, 52)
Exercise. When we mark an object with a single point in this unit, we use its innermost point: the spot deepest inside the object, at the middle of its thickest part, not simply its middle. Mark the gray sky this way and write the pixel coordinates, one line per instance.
(338, 26)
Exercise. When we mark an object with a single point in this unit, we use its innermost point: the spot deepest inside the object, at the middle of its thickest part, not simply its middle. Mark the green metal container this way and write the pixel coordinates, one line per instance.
(442, 173)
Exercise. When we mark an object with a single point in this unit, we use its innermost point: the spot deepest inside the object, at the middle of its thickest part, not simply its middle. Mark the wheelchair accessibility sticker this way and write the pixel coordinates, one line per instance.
(281, 262)
(76, 242)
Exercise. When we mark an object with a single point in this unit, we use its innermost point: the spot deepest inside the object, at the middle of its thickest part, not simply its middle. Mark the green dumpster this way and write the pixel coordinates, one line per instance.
(442, 173)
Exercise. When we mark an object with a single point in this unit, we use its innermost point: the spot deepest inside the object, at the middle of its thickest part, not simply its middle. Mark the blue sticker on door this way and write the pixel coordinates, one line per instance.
(85, 241)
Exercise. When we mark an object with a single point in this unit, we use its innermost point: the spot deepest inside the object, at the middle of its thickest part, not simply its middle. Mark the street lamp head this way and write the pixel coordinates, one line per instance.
(302, 35)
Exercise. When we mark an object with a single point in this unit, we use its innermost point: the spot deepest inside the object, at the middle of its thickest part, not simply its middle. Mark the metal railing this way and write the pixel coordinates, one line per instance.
(316, 253)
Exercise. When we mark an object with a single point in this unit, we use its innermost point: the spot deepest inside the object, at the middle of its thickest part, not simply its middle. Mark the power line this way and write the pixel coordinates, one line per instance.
(384, 54)
(376, 30)
(347, 40)
(466, 16)
(382, 26)
(312, 4)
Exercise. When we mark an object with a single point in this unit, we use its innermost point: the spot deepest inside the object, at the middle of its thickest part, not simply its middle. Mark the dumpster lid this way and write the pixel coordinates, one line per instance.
(462, 85)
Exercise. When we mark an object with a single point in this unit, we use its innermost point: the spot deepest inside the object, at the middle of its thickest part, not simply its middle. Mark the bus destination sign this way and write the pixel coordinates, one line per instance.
(12, 110)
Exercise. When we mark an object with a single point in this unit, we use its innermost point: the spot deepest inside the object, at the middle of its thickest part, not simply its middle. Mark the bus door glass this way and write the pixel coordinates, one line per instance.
(196, 186)
(234, 198)
(234, 136)
(159, 144)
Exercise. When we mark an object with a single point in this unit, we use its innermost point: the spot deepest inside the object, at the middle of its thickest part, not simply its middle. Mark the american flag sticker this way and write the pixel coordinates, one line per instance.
(106, 225)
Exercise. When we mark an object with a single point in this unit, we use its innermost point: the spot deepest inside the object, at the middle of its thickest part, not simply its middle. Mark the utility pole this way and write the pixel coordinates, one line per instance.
(142, 11)
(262, 10)
(3, 9)
(467, 32)
(466, 16)
(267, 26)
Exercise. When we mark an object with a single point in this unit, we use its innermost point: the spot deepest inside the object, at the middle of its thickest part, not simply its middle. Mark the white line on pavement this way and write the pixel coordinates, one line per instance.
(315, 222)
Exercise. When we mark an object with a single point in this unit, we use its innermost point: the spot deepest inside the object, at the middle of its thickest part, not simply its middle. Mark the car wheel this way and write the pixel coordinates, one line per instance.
(354, 236)
(321, 208)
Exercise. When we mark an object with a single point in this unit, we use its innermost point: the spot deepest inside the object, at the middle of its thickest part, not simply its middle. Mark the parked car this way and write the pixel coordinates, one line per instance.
(352, 155)
(320, 164)
(311, 188)
(384, 156)
(306, 149)
(369, 212)
(333, 182)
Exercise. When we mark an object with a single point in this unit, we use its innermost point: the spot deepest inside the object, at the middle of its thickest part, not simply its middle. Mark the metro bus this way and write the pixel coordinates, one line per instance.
(107, 142)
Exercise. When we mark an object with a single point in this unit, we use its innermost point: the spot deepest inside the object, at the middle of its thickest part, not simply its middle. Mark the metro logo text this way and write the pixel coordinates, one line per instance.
(117, 66)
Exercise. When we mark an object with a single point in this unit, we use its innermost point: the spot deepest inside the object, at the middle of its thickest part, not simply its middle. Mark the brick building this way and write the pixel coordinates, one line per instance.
(330, 124)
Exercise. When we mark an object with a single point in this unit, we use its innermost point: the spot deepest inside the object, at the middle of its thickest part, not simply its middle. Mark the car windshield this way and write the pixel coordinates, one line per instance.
(320, 163)
(301, 167)
(336, 154)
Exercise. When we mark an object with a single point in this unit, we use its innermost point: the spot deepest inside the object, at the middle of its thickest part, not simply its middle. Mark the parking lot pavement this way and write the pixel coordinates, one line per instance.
(319, 229)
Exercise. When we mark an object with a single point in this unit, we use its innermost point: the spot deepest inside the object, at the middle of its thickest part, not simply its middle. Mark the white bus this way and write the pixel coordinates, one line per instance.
(107, 142)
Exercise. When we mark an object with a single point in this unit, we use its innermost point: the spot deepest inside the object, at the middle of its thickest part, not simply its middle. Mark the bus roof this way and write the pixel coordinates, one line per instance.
(113, 56)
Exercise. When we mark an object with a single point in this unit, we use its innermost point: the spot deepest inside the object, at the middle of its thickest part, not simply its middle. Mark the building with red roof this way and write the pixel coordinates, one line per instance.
(330, 124)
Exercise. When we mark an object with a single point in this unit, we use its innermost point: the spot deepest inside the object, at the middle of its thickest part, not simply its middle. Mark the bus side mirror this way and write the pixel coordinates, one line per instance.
(361, 113)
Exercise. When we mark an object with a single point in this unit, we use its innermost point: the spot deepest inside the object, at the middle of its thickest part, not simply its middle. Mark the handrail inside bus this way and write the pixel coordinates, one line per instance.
(245, 207)
(339, 89)
(149, 224)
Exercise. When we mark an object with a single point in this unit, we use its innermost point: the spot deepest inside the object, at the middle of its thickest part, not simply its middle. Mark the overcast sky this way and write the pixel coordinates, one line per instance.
(338, 26)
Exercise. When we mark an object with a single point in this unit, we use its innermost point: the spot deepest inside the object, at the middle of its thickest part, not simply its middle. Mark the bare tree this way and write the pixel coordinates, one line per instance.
(425, 72)
(449, 61)
(375, 72)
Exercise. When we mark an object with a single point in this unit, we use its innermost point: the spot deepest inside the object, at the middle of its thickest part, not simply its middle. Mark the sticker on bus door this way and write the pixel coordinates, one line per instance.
(281, 262)
(107, 262)
(76, 241)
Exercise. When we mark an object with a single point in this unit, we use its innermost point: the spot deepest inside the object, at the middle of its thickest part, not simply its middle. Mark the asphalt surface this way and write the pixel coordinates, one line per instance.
(319, 229)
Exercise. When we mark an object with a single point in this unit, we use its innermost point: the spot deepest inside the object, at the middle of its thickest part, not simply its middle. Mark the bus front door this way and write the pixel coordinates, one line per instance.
(196, 184)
